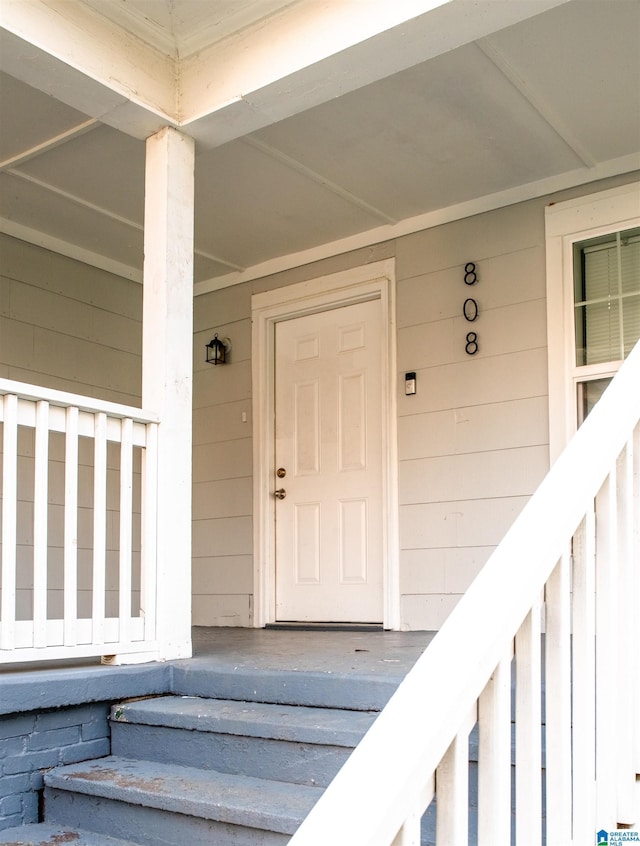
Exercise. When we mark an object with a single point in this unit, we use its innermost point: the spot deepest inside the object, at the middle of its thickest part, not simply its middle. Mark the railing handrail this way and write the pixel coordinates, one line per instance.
(32, 393)
(378, 788)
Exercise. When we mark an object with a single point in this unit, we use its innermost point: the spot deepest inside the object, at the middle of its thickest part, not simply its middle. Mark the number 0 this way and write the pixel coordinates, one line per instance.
(470, 310)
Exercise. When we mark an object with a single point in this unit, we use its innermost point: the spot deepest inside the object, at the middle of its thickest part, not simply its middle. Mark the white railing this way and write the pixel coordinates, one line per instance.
(79, 492)
(569, 566)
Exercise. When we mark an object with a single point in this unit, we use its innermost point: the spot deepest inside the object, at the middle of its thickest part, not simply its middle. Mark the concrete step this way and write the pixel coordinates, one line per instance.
(302, 745)
(351, 691)
(156, 803)
(43, 834)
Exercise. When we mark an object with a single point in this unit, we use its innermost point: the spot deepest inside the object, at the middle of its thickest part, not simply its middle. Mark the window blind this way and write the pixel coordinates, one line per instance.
(607, 297)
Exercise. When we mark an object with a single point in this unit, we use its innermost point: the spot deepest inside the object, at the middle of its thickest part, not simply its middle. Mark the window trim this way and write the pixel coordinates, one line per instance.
(565, 223)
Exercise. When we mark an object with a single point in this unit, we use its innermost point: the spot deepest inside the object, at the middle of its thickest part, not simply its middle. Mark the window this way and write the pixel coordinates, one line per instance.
(593, 300)
(606, 303)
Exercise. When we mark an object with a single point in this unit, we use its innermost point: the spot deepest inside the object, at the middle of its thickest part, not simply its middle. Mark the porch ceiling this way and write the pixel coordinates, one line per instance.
(379, 123)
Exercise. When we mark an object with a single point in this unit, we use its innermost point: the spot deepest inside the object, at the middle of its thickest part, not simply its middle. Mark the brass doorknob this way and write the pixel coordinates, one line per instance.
(280, 493)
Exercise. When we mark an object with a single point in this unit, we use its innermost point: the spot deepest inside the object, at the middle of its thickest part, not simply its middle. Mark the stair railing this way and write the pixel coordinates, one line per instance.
(568, 567)
(79, 493)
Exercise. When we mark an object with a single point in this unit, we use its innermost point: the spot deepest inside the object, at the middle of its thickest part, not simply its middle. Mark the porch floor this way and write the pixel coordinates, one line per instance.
(382, 654)
(377, 660)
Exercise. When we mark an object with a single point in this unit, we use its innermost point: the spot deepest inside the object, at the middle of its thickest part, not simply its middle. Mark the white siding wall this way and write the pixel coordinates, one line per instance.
(473, 441)
(222, 464)
(69, 326)
(222, 446)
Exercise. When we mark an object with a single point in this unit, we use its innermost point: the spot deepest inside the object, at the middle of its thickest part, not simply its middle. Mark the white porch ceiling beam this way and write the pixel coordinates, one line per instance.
(88, 64)
(73, 34)
(310, 52)
(321, 50)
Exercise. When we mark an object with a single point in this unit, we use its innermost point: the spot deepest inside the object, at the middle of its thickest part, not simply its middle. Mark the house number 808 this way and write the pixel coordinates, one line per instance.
(470, 308)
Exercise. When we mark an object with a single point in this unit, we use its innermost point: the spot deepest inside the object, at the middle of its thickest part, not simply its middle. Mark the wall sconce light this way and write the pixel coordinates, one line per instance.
(217, 350)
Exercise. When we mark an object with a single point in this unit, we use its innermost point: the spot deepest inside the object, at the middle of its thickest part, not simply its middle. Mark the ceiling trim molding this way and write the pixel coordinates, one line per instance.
(574, 179)
(72, 251)
(491, 202)
(551, 117)
(101, 210)
(50, 144)
(74, 198)
(218, 260)
(317, 178)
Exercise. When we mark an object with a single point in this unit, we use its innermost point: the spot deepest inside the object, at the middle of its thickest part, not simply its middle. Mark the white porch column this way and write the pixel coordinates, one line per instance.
(167, 371)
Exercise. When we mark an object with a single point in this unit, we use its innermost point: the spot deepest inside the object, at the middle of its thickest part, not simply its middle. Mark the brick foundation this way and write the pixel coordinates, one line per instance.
(36, 741)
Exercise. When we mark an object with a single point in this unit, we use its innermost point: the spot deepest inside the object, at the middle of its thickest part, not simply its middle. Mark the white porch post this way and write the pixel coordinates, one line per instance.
(167, 371)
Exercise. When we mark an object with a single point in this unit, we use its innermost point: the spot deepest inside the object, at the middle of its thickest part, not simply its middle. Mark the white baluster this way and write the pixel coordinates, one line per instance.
(452, 785)
(99, 526)
(409, 834)
(149, 531)
(126, 509)
(606, 653)
(558, 703)
(494, 758)
(529, 731)
(40, 525)
(584, 689)
(635, 591)
(9, 520)
(627, 811)
(71, 527)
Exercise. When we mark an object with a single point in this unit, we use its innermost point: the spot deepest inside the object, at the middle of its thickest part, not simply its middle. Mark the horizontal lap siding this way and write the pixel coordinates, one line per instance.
(66, 325)
(222, 465)
(222, 446)
(473, 441)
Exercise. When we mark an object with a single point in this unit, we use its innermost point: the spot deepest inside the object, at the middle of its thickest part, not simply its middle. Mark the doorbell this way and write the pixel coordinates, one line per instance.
(409, 383)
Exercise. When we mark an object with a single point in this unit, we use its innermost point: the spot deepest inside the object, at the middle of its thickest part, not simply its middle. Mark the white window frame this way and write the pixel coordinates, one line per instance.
(565, 224)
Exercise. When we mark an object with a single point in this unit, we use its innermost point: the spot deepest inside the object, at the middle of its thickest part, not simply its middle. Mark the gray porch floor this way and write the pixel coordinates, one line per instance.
(370, 653)
(378, 660)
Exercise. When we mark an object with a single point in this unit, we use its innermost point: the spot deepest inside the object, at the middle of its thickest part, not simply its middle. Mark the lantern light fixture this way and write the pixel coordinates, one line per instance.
(217, 350)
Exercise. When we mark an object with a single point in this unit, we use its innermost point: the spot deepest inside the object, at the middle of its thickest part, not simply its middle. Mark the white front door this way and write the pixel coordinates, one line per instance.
(328, 464)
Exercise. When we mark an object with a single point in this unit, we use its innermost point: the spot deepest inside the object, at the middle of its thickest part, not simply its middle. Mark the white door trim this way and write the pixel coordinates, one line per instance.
(373, 281)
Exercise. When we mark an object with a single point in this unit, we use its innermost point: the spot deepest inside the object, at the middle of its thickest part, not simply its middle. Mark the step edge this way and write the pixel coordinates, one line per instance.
(49, 834)
(89, 780)
(251, 725)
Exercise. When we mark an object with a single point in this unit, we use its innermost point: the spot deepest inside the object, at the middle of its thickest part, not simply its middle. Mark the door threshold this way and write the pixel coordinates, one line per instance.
(326, 627)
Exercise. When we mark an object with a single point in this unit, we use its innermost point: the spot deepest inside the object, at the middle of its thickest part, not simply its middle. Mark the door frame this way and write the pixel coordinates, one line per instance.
(369, 282)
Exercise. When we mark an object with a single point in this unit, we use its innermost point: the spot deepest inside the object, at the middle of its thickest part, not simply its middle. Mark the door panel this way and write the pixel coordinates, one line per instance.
(328, 440)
